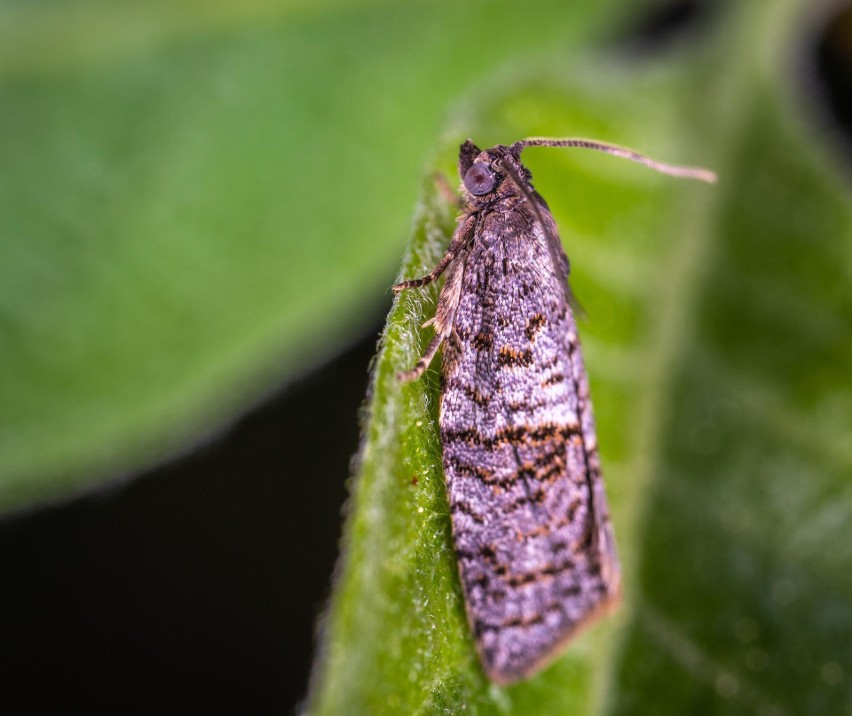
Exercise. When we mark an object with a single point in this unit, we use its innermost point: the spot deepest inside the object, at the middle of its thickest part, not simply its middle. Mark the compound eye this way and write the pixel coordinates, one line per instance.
(479, 179)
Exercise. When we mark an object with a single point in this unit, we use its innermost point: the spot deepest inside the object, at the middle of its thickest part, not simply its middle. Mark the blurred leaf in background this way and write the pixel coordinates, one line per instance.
(199, 199)
(202, 200)
(719, 355)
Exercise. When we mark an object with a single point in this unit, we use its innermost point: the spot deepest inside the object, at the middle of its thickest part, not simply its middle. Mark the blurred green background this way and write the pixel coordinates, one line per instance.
(202, 206)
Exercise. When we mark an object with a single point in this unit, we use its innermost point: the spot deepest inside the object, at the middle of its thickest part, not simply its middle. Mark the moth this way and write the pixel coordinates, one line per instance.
(532, 531)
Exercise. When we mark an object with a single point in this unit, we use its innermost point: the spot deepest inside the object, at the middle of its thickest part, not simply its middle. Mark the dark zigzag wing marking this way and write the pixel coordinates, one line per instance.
(520, 455)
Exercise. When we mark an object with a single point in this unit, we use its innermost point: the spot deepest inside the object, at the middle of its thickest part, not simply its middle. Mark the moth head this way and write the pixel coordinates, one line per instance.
(468, 152)
(484, 172)
(480, 179)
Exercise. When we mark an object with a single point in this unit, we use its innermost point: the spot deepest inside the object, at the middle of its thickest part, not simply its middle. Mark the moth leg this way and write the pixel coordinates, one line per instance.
(443, 321)
(447, 190)
(421, 365)
(460, 239)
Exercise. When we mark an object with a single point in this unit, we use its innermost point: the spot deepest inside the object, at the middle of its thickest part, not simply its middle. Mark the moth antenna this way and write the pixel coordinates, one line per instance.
(678, 171)
(523, 187)
(528, 197)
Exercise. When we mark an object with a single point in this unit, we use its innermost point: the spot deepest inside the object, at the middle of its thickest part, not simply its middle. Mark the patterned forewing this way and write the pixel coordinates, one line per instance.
(529, 520)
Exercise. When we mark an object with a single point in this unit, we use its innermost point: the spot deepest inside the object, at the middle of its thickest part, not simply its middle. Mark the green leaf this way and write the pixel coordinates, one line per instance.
(202, 199)
(718, 346)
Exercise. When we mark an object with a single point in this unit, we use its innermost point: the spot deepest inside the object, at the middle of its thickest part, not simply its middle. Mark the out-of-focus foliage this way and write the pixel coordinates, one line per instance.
(719, 349)
(200, 199)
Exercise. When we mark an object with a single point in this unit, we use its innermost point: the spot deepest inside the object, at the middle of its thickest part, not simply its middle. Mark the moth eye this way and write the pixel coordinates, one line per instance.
(479, 180)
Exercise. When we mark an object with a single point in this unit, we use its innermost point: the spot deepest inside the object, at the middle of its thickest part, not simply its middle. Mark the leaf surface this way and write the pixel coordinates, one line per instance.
(718, 346)
(201, 200)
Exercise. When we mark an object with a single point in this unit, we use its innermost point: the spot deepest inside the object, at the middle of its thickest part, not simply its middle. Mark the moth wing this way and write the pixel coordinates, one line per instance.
(605, 539)
(536, 555)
